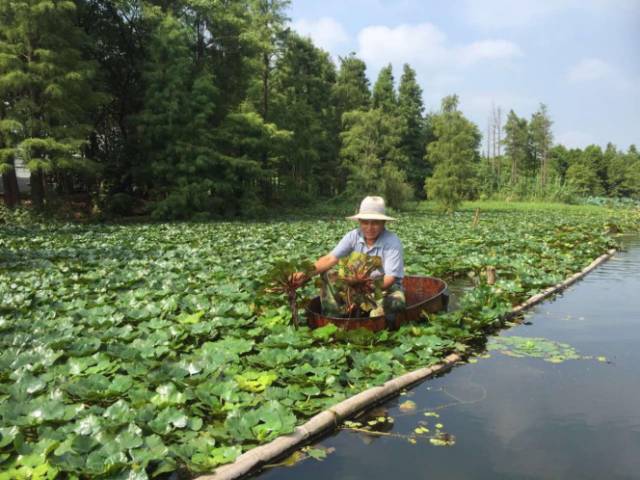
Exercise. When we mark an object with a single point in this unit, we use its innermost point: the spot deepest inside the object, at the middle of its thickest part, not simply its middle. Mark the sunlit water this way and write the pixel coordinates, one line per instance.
(521, 417)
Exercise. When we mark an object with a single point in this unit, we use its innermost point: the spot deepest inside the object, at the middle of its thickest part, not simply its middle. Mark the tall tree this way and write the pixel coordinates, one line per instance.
(267, 31)
(302, 86)
(372, 155)
(516, 144)
(45, 82)
(384, 93)
(541, 140)
(352, 89)
(411, 109)
(9, 132)
(120, 35)
(454, 155)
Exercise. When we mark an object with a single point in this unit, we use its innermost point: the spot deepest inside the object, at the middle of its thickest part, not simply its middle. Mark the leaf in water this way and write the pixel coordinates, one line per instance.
(187, 319)
(7, 435)
(443, 440)
(407, 406)
(545, 349)
(318, 453)
(326, 332)
(431, 414)
(168, 394)
(253, 381)
(293, 459)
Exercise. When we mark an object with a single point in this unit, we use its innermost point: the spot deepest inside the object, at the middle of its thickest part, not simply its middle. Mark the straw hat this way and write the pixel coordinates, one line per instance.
(371, 208)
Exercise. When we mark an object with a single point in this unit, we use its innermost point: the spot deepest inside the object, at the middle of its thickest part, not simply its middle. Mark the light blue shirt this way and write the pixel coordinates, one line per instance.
(387, 247)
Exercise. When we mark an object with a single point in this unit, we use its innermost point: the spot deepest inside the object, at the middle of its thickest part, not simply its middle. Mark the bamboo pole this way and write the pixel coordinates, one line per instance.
(329, 419)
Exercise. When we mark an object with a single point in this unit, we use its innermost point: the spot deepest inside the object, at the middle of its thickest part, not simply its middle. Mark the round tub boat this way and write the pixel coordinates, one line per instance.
(423, 294)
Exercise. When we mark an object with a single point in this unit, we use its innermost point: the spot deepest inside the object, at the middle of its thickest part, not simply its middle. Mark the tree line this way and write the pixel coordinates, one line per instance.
(218, 108)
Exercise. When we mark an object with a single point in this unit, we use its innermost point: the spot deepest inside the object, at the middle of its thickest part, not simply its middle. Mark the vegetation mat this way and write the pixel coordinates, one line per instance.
(136, 351)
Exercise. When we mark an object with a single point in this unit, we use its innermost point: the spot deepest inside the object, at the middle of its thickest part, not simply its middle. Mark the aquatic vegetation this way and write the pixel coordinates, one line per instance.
(280, 279)
(534, 347)
(134, 351)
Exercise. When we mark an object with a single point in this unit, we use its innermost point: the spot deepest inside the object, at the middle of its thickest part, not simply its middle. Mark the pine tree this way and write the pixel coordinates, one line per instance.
(352, 89)
(454, 155)
(516, 142)
(411, 108)
(541, 141)
(46, 84)
(372, 156)
(384, 93)
(302, 86)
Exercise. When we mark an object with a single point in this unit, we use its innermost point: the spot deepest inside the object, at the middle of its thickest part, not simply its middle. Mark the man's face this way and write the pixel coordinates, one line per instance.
(371, 229)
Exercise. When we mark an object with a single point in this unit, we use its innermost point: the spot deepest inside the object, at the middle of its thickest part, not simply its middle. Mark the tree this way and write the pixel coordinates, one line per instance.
(541, 141)
(623, 172)
(411, 109)
(267, 31)
(516, 144)
(45, 83)
(584, 179)
(372, 156)
(593, 158)
(384, 94)
(351, 90)
(9, 131)
(302, 86)
(454, 155)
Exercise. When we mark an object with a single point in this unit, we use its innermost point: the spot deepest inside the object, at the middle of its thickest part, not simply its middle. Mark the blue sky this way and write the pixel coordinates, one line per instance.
(579, 57)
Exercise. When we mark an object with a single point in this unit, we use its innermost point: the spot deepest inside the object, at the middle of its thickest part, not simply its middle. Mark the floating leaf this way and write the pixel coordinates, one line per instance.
(407, 406)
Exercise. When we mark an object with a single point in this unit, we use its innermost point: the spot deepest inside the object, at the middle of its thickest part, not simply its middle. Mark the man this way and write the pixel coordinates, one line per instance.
(370, 238)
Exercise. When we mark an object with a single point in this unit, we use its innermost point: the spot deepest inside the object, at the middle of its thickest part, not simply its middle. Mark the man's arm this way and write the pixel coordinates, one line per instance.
(322, 265)
(325, 263)
(387, 281)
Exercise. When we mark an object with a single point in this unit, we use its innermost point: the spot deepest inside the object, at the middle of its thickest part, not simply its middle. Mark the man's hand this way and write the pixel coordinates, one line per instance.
(299, 279)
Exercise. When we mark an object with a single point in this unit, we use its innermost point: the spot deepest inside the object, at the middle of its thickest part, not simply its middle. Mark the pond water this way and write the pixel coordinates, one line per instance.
(513, 417)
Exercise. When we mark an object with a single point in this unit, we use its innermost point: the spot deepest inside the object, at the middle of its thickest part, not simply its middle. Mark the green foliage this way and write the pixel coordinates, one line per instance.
(584, 179)
(454, 155)
(384, 93)
(522, 347)
(281, 279)
(351, 90)
(371, 153)
(302, 84)
(411, 108)
(356, 291)
(45, 83)
(140, 349)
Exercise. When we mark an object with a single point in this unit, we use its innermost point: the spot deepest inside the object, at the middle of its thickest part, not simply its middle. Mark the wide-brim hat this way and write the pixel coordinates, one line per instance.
(371, 208)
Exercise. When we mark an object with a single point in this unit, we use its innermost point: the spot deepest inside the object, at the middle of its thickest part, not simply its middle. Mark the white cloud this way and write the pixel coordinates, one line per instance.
(595, 70)
(509, 13)
(485, 101)
(488, 50)
(425, 45)
(492, 14)
(589, 69)
(325, 32)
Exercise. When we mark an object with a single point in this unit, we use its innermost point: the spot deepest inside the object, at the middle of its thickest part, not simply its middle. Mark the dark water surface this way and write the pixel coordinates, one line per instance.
(520, 418)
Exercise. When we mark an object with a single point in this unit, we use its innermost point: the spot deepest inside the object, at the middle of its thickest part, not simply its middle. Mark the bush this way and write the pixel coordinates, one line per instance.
(396, 189)
(120, 204)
